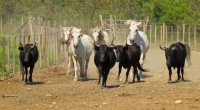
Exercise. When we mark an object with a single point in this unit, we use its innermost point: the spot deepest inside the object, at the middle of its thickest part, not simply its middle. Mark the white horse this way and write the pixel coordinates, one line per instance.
(82, 48)
(100, 37)
(139, 37)
(68, 41)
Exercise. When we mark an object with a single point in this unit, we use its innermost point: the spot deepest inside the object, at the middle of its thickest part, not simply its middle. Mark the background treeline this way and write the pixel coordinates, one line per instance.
(159, 11)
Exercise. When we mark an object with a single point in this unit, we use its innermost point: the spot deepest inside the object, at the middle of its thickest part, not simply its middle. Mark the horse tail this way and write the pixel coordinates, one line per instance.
(188, 54)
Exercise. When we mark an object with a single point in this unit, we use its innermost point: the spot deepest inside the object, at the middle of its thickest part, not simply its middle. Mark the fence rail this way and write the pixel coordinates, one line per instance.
(46, 34)
(46, 37)
(160, 33)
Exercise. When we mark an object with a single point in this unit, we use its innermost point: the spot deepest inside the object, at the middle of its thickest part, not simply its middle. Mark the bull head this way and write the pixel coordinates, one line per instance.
(96, 47)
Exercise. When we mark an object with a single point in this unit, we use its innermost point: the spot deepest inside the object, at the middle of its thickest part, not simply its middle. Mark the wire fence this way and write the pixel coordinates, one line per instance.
(47, 34)
(158, 34)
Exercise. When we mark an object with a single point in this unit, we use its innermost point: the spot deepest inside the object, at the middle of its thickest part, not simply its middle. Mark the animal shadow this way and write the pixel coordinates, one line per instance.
(35, 83)
(89, 79)
(173, 82)
(145, 76)
(112, 86)
(141, 81)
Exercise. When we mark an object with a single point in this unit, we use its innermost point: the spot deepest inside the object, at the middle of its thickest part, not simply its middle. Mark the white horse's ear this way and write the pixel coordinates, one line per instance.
(138, 23)
(79, 30)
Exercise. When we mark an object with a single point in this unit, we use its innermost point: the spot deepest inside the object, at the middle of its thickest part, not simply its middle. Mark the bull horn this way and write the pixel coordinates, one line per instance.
(20, 44)
(173, 48)
(112, 44)
(162, 48)
(96, 45)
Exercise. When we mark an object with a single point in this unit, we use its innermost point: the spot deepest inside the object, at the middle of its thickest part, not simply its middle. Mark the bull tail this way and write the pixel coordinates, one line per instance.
(188, 55)
(142, 69)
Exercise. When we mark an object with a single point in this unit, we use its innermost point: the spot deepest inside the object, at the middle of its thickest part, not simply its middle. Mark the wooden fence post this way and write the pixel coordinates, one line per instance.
(3, 56)
(183, 33)
(56, 47)
(55, 41)
(8, 52)
(14, 55)
(189, 34)
(195, 37)
(47, 42)
(30, 25)
(166, 35)
(161, 30)
(22, 33)
(155, 34)
(40, 50)
(163, 33)
(172, 35)
(39, 41)
(177, 33)
(1, 26)
(150, 33)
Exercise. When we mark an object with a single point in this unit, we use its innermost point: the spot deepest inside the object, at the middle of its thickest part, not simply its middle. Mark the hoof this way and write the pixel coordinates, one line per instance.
(83, 78)
(75, 79)
(126, 82)
(25, 82)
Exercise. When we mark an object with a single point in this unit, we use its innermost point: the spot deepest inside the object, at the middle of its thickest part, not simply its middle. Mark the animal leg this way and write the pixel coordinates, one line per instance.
(103, 81)
(182, 72)
(69, 66)
(127, 73)
(75, 69)
(136, 73)
(178, 74)
(170, 73)
(100, 73)
(142, 57)
(86, 67)
(106, 76)
(83, 70)
(119, 72)
(26, 71)
(22, 70)
(30, 74)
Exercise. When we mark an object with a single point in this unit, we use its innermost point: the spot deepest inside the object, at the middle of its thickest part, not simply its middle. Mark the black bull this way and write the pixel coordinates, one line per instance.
(128, 56)
(104, 60)
(175, 57)
(28, 57)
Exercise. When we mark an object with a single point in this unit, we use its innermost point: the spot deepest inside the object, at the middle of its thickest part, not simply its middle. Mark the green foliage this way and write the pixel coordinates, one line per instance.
(168, 11)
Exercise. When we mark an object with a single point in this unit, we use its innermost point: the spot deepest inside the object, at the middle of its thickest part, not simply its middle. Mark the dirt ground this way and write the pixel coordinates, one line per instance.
(52, 90)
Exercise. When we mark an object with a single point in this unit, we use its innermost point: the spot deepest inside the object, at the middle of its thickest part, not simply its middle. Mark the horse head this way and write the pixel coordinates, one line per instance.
(133, 30)
(67, 33)
(76, 34)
